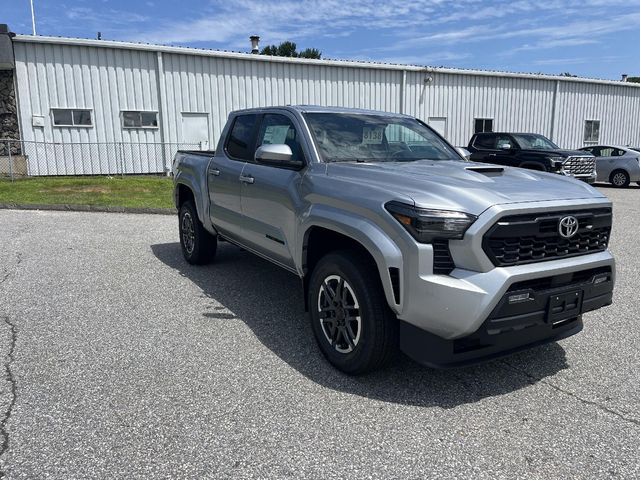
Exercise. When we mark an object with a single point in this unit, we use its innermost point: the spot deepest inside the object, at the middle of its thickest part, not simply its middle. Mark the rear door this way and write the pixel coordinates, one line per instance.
(270, 197)
(224, 176)
(607, 160)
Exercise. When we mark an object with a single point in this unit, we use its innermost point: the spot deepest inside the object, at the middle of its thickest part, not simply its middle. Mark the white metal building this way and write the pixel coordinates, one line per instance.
(99, 92)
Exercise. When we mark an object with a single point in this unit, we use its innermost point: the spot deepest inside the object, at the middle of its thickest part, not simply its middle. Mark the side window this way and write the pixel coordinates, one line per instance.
(278, 129)
(71, 117)
(592, 131)
(606, 152)
(240, 141)
(504, 142)
(617, 153)
(590, 150)
(485, 142)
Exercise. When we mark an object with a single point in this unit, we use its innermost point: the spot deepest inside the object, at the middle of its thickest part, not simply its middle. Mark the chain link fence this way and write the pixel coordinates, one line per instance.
(19, 158)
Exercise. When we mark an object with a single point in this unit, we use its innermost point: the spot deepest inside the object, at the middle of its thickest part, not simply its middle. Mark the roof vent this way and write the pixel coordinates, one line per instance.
(255, 44)
(624, 77)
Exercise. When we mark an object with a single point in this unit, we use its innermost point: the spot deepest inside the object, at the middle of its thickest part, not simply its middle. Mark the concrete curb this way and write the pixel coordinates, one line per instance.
(88, 208)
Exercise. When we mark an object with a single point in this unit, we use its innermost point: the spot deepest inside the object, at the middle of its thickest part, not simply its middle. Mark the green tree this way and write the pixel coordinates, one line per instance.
(310, 53)
(633, 79)
(289, 49)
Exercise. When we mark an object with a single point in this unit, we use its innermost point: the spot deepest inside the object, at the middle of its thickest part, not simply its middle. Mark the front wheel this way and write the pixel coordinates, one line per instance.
(620, 179)
(198, 245)
(355, 328)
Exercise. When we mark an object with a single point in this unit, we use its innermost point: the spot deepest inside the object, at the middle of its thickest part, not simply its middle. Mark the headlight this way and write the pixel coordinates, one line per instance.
(425, 224)
(557, 162)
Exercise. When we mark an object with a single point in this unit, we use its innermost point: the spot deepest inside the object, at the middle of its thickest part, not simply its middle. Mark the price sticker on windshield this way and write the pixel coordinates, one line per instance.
(372, 135)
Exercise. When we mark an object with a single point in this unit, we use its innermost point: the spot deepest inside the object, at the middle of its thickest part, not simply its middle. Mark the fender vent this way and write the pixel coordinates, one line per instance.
(442, 261)
(394, 274)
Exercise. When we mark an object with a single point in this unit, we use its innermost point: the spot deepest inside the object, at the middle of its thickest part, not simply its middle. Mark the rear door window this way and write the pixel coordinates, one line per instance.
(241, 141)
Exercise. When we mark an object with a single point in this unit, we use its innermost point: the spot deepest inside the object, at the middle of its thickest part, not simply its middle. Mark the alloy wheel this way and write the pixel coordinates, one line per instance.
(619, 179)
(188, 232)
(339, 313)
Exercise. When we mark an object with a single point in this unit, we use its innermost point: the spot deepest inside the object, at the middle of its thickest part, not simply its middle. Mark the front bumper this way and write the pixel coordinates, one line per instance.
(456, 305)
(590, 178)
(529, 313)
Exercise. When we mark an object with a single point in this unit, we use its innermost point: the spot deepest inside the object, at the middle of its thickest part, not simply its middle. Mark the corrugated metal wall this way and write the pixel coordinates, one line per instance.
(110, 80)
(218, 86)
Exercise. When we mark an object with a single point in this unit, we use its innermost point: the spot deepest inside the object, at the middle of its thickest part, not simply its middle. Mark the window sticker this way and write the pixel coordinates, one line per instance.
(372, 135)
(275, 134)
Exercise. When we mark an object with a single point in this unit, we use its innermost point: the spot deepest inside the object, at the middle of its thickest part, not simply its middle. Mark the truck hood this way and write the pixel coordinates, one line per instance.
(563, 153)
(463, 186)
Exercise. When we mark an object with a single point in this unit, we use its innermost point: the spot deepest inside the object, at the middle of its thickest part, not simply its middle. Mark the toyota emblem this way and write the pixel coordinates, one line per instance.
(568, 226)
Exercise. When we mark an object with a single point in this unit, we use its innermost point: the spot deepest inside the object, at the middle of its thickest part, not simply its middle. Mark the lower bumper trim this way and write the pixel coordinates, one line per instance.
(437, 352)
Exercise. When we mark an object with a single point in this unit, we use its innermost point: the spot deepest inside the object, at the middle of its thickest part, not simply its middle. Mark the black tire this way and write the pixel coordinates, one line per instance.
(619, 179)
(198, 246)
(376, 339)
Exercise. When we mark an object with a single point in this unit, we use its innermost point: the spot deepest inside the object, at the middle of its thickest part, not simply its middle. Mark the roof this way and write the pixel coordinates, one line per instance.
(326, 62)
(321, 109)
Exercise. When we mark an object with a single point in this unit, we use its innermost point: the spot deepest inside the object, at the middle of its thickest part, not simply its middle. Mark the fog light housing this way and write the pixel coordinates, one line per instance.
(519, 298)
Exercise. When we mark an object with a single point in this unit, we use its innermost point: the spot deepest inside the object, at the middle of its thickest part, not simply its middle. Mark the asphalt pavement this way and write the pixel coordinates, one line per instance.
(122, 361)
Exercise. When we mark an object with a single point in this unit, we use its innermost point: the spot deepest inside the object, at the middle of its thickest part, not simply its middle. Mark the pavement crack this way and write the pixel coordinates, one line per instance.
(6, 415)
(534, 379)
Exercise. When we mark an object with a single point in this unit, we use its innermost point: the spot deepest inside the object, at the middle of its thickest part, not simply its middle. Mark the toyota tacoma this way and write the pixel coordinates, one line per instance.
(399, 242)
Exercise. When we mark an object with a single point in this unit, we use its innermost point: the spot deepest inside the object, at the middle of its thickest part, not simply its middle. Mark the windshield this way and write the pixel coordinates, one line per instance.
(530, 141)
(349, 137)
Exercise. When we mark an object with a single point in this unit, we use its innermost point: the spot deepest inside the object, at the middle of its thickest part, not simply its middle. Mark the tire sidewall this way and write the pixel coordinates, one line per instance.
(625, 184)
(361, 354)
(204, 245)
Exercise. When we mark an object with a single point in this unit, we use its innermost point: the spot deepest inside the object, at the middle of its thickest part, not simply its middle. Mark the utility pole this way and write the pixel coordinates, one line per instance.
(33, 18)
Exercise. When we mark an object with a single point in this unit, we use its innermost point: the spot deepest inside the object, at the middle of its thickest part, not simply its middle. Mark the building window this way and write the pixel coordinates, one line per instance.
(71, 117)
(591, 131)
(137, 119)
(482, 125)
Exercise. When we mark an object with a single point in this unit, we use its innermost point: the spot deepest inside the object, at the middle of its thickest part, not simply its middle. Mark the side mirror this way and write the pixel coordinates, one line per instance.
(505, 146)
(277, 155)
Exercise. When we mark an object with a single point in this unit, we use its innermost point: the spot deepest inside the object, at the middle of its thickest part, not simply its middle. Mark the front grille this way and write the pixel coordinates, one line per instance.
(528, 238)
(442, 261)
(579, 166)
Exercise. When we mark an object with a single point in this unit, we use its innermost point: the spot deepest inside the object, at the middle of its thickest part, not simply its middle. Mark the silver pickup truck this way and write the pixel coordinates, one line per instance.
(399, 241)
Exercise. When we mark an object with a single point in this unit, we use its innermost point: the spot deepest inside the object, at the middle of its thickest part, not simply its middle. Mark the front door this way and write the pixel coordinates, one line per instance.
(195, 130)
(270, 194)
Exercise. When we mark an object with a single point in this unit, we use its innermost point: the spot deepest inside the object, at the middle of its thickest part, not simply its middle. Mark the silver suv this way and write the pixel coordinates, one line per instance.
(398, 241)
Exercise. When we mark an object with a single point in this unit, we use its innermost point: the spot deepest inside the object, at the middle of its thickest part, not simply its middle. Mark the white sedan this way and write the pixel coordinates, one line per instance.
(615, 164)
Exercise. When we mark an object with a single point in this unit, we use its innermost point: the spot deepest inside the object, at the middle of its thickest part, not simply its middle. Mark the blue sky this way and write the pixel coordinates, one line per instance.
(594, 38)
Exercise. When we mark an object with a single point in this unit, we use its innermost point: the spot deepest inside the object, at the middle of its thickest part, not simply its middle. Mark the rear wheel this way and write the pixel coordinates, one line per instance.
(352, 323)
(619, 178)
(198, 245)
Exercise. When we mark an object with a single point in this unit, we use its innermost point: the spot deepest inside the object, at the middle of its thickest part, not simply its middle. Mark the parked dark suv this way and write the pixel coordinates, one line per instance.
(532, 151)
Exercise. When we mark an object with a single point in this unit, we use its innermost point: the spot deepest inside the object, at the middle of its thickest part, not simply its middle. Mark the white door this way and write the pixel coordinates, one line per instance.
(195, 129)
(439, 124)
